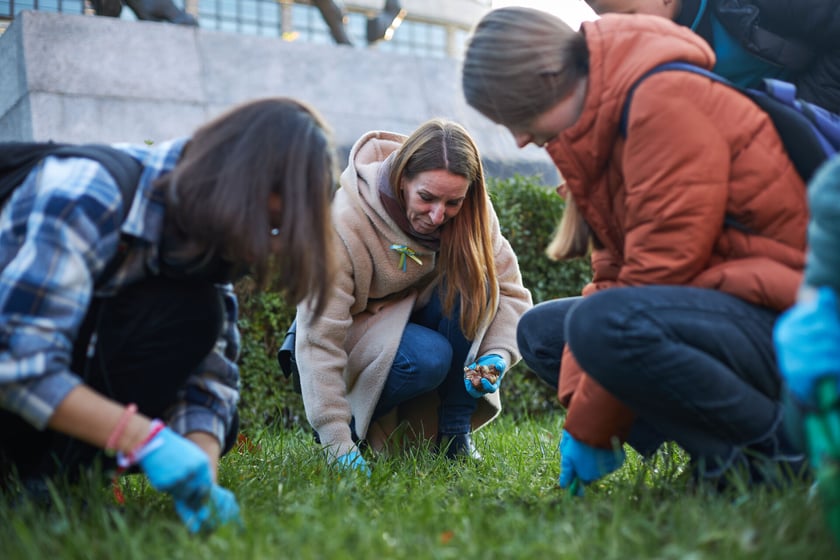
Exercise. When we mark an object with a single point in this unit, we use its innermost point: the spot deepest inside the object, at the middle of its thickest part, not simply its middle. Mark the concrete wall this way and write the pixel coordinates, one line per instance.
(82, 78)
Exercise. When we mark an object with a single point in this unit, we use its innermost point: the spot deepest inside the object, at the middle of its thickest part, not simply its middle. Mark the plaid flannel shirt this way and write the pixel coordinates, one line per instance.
(57, 233)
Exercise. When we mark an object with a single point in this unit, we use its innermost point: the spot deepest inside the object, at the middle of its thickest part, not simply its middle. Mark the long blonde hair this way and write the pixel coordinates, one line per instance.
(573, 236)
(466, 263)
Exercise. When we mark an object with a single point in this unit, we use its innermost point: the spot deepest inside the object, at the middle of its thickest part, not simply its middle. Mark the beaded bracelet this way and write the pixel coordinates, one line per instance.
(116, 434)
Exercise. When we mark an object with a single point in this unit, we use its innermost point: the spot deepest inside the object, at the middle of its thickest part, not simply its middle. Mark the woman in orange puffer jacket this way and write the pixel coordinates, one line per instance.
(672, 339)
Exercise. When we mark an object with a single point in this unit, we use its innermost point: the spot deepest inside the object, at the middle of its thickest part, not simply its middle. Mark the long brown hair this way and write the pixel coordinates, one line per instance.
(519, 63)
(218, 194)
(466, 263)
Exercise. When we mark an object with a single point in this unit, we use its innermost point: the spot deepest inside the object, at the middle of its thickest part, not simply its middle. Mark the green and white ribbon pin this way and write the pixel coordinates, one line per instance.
(404, 252)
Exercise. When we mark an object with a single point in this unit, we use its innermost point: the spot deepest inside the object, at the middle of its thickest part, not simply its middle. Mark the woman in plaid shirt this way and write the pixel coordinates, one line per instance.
(90, 356)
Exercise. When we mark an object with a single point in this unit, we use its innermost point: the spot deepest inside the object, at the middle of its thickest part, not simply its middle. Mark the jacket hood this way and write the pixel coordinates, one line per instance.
(360, 179)
(367, 156)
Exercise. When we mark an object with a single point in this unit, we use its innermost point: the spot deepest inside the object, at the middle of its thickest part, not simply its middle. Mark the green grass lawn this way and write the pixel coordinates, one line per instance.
(419, 505)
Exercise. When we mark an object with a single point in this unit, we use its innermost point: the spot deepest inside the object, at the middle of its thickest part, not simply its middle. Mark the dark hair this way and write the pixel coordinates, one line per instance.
(519, 63)
(218, 194)
(466, 252)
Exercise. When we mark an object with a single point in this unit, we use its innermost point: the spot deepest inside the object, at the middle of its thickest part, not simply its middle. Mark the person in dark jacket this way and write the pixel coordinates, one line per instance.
(757, 39)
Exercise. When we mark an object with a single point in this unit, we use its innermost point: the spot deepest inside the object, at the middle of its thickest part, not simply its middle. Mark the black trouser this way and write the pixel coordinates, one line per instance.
(149, 338)
(696, 366)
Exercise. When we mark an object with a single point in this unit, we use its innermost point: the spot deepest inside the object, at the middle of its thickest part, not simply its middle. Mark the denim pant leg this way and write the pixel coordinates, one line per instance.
(696, 364)
(431, 356)
(540, 337)
(420, 365)
(456, 405)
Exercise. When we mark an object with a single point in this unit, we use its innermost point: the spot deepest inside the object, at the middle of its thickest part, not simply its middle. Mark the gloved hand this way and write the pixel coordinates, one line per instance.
(584, 463)
(807, 339)
(486, 386)
(177, 466)
(221, 509)
(353, 461)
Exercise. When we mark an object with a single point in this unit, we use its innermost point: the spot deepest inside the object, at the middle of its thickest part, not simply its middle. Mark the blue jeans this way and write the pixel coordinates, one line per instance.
(431, 357)
(697, 366)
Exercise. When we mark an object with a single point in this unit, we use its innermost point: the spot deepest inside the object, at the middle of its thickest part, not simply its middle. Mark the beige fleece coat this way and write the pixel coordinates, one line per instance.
(344, 356)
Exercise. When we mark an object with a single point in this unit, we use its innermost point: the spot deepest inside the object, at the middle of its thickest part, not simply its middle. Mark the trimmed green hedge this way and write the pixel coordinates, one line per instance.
(528, 213)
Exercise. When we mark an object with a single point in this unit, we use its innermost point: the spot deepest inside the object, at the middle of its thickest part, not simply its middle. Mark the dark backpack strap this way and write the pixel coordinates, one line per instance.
(729, 221)
(806, 147)
(17, 159)
(124, 169)
(676, 65)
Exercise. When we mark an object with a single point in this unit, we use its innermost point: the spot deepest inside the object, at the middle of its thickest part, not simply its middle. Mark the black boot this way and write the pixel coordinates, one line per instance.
(457, 446)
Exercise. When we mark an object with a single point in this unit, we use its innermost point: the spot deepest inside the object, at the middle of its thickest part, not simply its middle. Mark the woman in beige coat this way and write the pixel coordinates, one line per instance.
(428, 292)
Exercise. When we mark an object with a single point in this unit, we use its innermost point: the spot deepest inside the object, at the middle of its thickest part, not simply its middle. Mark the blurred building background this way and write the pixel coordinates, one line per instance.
(72, 77)
(433, 28)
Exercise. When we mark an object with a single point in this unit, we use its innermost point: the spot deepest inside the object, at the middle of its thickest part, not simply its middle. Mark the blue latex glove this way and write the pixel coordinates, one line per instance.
(583, 464)
(353, 461)
(177, 466)
(221, 509)
(807, 339)
(486, 387)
